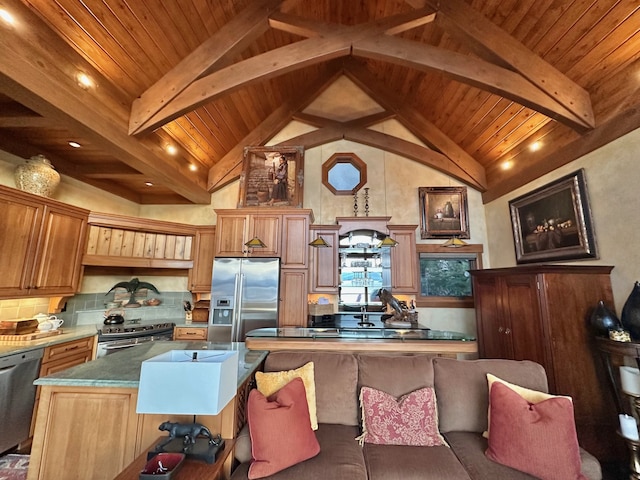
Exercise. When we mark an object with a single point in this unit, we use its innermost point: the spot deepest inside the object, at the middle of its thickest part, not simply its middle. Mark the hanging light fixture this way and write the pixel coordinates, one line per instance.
(319, 243)
(387, 242)
(455, 242)
(255, 242)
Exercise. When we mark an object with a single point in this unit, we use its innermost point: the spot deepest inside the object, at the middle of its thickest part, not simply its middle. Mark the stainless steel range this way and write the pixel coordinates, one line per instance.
(112, 338)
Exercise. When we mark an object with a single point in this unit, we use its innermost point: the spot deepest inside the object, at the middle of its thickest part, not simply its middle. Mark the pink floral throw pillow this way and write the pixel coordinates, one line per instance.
(409, 420)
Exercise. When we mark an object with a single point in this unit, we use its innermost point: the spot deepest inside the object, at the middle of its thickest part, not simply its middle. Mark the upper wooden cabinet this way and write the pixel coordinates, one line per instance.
(45, 239)
(324, 260)
(284, 232)
(200, 274)
(404, 260)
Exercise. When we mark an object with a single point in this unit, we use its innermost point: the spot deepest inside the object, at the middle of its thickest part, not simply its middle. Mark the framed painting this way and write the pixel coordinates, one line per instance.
(272, 177)
(554, 222)
(443, 212)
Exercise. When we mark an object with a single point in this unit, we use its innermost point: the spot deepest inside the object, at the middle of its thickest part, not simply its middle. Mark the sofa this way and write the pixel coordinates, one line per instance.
(462, 409)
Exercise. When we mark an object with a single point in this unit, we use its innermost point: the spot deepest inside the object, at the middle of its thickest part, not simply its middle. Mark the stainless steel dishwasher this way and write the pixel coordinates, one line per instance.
(17, 396)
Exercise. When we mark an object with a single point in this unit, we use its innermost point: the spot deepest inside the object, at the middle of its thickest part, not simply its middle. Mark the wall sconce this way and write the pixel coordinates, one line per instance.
(255, 242)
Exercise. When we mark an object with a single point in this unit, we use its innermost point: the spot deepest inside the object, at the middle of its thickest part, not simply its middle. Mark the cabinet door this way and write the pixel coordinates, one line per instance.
(521, 305)
(492, 325)
(295, 239)
(293, 298)
(19, 230)
(57, 267)
(230, 238)
(404, 259)
(324, 261)
(200, 274)
(268, 229)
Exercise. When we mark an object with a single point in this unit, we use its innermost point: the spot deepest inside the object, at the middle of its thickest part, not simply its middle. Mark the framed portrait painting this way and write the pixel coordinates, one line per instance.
(443, 212)
(554, 222)
(272, 177)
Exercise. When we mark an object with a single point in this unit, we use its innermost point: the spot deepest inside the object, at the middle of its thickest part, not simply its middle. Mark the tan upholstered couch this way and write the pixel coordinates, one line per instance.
(462, 398)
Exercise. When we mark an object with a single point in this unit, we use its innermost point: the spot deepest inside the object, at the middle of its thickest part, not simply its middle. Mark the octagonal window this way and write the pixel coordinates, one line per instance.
(344, 173)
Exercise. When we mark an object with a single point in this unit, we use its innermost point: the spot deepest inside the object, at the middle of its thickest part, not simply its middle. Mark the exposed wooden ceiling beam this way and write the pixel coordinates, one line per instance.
(30, 121)
(415, 122)
(463, 22)
(31, 76)
(230, 40)
(229, 167)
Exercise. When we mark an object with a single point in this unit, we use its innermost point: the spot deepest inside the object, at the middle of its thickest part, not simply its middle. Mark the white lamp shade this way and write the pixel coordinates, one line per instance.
(630, 380)
(172, 383)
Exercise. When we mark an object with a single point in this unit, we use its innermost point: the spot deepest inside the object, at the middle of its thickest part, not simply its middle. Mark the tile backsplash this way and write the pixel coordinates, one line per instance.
(87, 309)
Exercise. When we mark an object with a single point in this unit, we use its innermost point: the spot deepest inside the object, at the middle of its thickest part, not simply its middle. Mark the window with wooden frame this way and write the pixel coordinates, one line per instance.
(445, 281)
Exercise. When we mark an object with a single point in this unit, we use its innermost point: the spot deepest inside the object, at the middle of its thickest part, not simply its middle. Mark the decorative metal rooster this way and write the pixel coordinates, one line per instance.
(132, 286)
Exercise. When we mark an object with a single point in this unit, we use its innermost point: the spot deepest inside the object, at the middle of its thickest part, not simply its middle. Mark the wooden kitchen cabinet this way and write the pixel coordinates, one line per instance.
(190, 333)
(236, 227)
(404, 260)
(293, 298)
(46, 239)
(200, 274)
(323, 263)
(295, 239)
(540, 313)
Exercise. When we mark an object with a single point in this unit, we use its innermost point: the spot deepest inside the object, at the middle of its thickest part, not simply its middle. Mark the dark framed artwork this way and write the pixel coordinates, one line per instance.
(554, 222)
(272, 177)
(443, 212)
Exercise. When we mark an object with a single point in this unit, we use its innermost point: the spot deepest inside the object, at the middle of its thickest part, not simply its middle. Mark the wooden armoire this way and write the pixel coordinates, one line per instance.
(541, 313)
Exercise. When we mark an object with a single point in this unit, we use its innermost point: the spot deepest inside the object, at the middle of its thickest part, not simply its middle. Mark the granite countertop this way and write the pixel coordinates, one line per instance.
(416, 334)
(122, 369)
(68, 334)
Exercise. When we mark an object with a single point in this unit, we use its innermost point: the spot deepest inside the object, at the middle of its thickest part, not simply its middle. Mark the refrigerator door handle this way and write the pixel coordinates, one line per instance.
(236, 327)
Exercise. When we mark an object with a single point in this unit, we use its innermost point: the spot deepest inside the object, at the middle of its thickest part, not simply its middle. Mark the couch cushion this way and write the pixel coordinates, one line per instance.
(269, 383)
(411, 419)
(340, 458)
(393, 462)
(395, 374)
(469, 447)
(463, 394)
(539, 439)
(281, 434)
(336, 377)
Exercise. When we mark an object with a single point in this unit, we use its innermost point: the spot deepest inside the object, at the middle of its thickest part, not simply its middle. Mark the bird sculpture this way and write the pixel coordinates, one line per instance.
(132, 286)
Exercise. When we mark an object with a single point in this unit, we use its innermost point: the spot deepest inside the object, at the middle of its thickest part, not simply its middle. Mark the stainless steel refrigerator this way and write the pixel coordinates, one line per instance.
(244, 296)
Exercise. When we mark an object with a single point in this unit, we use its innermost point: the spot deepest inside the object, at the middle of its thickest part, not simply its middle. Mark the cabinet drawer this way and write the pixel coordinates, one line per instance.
(64, 350)
(190, 333)
(64, 363)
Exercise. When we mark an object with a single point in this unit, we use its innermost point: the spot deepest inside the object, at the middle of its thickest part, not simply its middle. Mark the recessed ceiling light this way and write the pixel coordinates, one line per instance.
(148, 184)
(74, 144)
(84, 80)
(7, 17)
(171, 149)
(535, 146)
(193, 167)
(506, 165)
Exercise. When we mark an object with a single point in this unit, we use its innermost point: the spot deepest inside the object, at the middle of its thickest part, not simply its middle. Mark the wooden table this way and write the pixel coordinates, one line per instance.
(190, 468)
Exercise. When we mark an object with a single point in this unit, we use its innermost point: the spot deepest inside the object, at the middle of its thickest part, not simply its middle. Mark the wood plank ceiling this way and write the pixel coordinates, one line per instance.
(478, 81)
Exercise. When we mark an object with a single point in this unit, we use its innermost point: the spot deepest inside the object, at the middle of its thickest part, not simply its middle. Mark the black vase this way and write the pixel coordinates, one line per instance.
(602, 320)
(631, 313)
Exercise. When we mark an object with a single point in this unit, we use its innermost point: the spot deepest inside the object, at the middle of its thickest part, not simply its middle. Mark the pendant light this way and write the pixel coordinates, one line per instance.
(455, 242)
(387, 242)
(255, 242)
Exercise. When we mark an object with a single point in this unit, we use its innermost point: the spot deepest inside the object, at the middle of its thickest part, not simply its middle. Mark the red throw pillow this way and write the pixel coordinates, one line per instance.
(280, 429)
(539, 439)
(409, 420)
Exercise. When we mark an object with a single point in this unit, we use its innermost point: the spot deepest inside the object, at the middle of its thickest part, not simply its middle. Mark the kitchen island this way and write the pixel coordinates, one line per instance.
(87, 425)
(403, 340)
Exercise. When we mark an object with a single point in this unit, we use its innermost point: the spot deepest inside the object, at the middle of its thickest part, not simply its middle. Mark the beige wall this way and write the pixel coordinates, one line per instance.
(613, 182)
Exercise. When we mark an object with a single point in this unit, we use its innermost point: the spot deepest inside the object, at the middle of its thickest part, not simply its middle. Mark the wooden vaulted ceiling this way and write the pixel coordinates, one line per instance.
(477, 81)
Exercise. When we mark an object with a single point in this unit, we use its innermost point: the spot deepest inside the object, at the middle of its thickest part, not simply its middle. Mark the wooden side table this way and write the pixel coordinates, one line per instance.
(190, 468)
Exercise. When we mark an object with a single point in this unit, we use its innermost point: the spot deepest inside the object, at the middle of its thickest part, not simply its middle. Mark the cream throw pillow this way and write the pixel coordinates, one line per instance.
(531, 396)
(270, 382)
